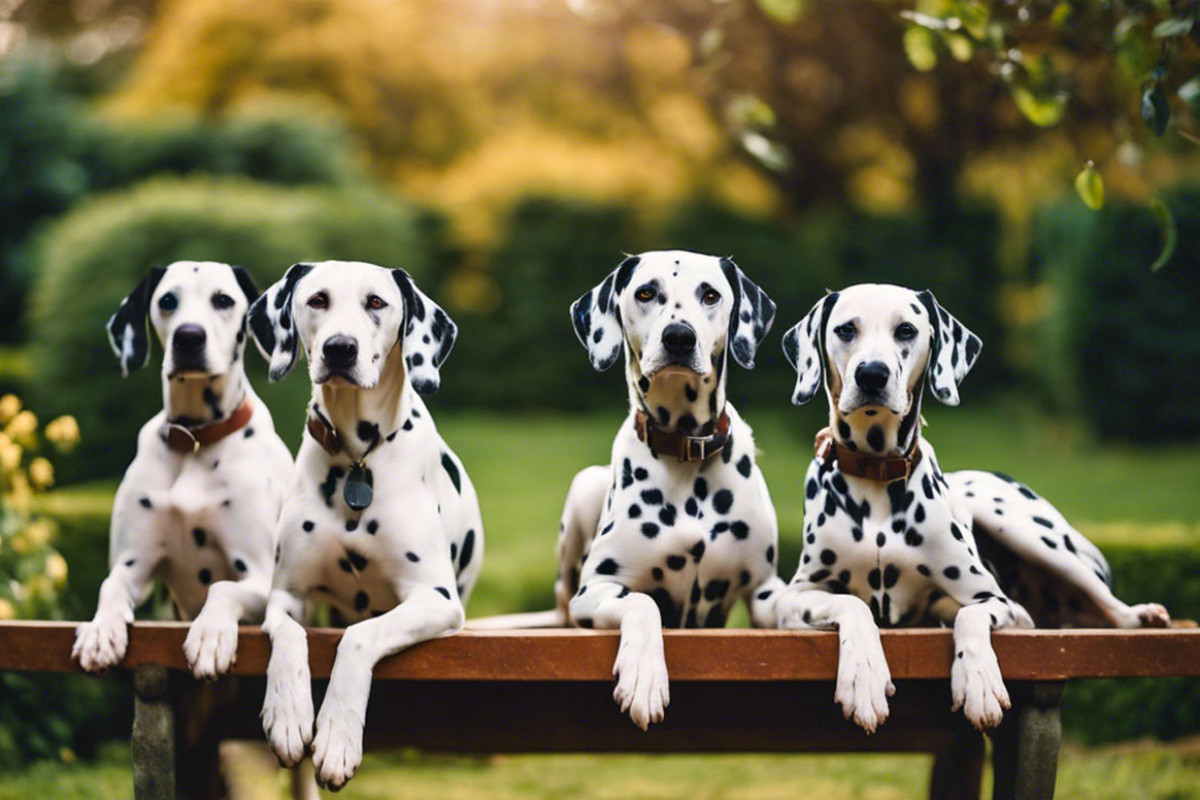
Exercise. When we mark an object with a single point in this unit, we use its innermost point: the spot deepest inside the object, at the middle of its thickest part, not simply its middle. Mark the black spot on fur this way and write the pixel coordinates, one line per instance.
(649, 530)
(652, 497)
(357, 559)
(1045, 523)
(676, 562)
(635, 511)
(743, 466)
(739, 529)
(145, 502)
(452, 470)
(666, 515)
(361, 601)
(239, 565)
(875, 438)
(443, 591)
(308, 525)
(723, 501)
(468, 549)
(828, 557)
(351, 525)
(891, 573)
(413, 557)
(200, 536)
(607, 567)
(1053, 545)
(373, 527)
(330, 484)
(205, 576)
(952, 573)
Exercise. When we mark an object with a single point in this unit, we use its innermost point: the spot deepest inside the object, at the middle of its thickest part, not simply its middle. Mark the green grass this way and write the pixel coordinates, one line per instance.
(1124, 773)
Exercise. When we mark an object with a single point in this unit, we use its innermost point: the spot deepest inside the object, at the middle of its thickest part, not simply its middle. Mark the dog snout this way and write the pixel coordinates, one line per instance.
(340, 351)
(872, 376)
(679, 339)
(189, 338)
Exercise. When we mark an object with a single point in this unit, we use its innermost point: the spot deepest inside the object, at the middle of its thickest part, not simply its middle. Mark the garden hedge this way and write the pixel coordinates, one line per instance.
(1122, 343)
(95, 255)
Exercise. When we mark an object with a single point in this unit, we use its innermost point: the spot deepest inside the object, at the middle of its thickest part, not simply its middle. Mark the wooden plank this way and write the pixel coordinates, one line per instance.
(716, 655)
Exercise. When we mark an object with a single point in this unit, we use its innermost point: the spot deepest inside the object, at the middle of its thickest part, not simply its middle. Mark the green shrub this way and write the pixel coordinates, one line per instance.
(93, 257)
(522, 351)
(1123, 344)
(54, 152)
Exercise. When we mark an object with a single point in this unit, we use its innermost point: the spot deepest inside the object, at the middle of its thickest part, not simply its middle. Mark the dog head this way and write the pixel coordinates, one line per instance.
(675, 314)
(198, 310)
(349, 316)
(872, 344)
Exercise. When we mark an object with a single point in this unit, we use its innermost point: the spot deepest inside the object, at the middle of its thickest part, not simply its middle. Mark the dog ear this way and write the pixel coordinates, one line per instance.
(427, 335)
(127, 329)
(953, 350)
(751, 316)
(804, 347)
(597, 318)
(248, 287)
(272, 322)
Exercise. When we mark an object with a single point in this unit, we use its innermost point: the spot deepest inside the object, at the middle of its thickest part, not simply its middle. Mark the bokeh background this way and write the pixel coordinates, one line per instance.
(1034, 162)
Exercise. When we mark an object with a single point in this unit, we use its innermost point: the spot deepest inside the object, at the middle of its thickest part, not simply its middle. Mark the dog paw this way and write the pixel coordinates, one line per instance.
(101, 643)
(977, 688)
(864, 682)
(211, 645)
(643, 688)
(287, 714)
(337, 747)
(1152, 615)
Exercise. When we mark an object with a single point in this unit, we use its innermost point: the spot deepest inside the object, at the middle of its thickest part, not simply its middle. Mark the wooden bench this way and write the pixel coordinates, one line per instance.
(551, 692)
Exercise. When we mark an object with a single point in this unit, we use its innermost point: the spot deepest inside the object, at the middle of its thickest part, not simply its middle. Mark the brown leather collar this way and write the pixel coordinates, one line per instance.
(183, 439)
(861, 465)
(325, 435)
(679, 445)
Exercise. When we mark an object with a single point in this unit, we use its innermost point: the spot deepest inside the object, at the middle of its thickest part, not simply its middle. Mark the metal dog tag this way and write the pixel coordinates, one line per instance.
(358, 492)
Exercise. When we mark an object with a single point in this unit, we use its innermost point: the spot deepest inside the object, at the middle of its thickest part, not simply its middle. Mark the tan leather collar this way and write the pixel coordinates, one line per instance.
(679, 445)
(183, 439)
(861, 465)
(325, 435)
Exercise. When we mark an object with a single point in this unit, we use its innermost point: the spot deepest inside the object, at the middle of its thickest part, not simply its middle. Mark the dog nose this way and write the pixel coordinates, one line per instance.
(872, 376)
(679, 339)
(189, 337)
(341, 351)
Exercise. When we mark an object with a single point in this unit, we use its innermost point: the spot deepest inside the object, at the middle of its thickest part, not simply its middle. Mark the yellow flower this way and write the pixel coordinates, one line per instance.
(63, 432)
(10, 455)
(23, 425)
(39, 532)
(6, 608)
(56, 569)
(10, 404)
(41, 474)
(19, 544)
(20, 496)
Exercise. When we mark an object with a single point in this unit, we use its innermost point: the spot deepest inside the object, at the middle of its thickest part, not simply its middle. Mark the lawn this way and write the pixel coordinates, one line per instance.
(522, 465)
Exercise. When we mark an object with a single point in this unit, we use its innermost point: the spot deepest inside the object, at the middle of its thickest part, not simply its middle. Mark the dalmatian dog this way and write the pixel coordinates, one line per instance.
(380, 520)
(890, 540)
(198, 506)
(680, 525)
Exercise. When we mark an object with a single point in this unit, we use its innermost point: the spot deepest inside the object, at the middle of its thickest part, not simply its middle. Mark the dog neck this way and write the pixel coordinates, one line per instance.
(876, 431)
(197, 400)
(679, 400)
(360, 416)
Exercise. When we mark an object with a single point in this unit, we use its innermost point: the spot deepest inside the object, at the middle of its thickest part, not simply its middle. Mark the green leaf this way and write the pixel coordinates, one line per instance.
(751, 112)
(784, 12)
(1170, 232)
(1189, 93)
(1174, 26)
(1042, 109)
(1156, 111)
(1090, 186)
(920, 45)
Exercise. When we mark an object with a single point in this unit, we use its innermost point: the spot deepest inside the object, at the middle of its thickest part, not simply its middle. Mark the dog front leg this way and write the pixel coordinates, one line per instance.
(763, 600)
(426, 613)
(101, 643)
(211, 644)
(643, 688)
(287, 713)
(976, 685)
(864, 682)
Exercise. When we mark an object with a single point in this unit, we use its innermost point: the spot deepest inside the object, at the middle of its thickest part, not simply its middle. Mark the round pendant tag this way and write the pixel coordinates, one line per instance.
(358, 492)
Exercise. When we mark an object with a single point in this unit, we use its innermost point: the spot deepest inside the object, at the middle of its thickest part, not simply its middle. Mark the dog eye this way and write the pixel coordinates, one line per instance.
(711, 297)
(646, 294)
(845, 331)
(905, 331)
(168, 302)
(375, 302)
(222, 301)
(319, 300)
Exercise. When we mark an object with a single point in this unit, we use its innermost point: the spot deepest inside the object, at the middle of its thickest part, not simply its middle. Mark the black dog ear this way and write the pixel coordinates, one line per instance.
(427, 335)
(804, 347)
(597, 319)
(751, 316)
(127, 329)
(246, 283)
(953, 350)
(273, 325)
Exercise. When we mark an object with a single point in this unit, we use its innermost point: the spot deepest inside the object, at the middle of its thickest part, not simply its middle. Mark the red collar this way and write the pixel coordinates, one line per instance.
(679, 445)
(187, 440)
(861, 465)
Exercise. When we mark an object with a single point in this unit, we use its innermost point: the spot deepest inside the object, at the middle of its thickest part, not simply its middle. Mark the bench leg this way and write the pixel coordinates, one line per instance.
(152, 743)
(958, 769)
(1025, 746)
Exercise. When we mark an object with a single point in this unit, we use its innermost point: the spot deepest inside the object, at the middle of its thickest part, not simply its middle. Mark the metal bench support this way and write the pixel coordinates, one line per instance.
(1025, 746)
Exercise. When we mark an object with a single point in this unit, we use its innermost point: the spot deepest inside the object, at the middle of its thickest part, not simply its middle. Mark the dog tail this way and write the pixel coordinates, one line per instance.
(534, 619)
